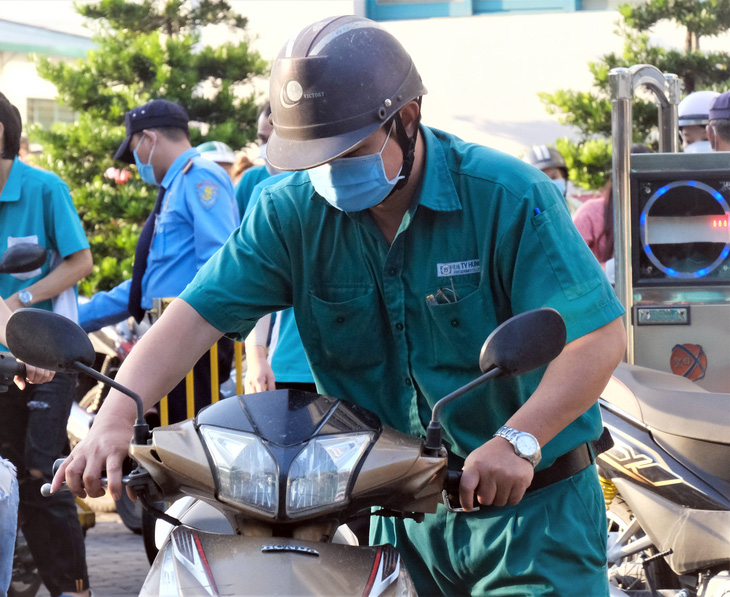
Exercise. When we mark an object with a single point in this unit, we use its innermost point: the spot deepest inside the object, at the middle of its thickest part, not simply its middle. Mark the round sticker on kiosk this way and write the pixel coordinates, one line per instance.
(684, 229)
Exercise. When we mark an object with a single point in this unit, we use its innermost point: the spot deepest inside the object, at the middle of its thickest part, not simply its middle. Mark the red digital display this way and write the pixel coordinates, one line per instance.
(720, 221)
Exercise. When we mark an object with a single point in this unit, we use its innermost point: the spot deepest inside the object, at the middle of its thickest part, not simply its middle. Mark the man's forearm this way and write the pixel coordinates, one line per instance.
(572, 382)
(72, 269)
(161, 358)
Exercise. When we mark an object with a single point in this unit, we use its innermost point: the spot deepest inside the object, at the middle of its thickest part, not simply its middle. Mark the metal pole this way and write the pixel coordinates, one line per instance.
(622, 93)
(669, 117)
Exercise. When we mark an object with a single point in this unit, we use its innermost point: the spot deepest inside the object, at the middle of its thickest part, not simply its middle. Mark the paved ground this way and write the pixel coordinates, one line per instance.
(115, 557)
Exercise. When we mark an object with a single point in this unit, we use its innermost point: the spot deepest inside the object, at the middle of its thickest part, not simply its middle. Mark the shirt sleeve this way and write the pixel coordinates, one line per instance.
(63, 223)
(105, 308)
(543, 262)
(249, 277)
(214, 213)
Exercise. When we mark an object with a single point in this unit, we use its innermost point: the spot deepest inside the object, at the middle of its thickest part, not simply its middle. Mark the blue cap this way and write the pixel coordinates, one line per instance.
(155, 114)
(720, 108)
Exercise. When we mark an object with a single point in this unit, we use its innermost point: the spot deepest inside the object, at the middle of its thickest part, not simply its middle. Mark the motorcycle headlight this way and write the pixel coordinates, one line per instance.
(320, 473)
(246, 470)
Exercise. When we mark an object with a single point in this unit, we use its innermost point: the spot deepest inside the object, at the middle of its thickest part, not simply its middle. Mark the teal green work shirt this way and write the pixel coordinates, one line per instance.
(36, 207)
(484, 225)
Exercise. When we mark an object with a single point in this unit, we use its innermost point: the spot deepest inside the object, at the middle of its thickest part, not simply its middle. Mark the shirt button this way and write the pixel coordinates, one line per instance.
(399, 326)
(392, 271)
(340, 319)
(408, 381)
(455, 323)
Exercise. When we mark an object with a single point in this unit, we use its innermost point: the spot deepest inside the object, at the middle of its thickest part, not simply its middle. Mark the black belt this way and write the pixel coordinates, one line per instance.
(567, 465)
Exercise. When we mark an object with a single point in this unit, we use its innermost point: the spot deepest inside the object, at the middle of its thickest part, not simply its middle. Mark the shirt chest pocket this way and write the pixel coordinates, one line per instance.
(172, 237)
(349, 333)
(459, 329)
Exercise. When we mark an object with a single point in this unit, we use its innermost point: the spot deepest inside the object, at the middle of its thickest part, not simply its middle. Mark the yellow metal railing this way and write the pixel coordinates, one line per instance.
(159, 306)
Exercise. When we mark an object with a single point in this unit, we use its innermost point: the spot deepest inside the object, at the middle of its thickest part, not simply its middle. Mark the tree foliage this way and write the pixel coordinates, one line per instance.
(589, 158)
(143, 50)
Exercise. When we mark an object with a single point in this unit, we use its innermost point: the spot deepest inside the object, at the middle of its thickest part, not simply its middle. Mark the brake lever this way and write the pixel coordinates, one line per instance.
(451, 492)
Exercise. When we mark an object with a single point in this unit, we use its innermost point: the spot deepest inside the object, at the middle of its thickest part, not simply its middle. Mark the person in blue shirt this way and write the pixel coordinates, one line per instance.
(194, 214)
(36, 207)
(256, 174)
(284, 365)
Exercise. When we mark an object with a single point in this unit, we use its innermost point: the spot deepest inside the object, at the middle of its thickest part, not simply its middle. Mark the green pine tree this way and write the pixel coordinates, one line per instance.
(144, 50)
(589, 158)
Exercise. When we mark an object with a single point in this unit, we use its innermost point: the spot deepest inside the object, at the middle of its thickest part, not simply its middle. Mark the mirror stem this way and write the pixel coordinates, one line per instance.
(141, 429)
(433, 432)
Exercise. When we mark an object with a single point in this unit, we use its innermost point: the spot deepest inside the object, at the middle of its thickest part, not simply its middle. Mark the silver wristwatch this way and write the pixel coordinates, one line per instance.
(25, 298)
(525, 444)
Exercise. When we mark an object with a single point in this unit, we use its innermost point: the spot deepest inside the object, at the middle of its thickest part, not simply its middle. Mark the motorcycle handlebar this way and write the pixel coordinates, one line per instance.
(46, 487)
(10, 367)
(451, 489)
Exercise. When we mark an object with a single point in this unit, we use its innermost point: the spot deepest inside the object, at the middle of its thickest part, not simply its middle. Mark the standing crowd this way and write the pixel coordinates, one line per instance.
(322, 259)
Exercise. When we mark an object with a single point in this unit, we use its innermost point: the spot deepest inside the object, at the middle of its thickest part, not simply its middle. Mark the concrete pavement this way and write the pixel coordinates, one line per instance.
(115, 558)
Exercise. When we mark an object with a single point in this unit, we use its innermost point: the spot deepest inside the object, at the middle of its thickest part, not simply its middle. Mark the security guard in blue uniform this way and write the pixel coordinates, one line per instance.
(194, 215)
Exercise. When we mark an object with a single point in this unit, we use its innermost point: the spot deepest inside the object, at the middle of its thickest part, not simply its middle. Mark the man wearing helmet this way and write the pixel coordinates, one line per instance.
(718, 128)
(693, 113)
(400, 249)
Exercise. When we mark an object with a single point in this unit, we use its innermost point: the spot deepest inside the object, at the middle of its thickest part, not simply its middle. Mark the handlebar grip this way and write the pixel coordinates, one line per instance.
(10, 367)
(453, 481)
(57, 465)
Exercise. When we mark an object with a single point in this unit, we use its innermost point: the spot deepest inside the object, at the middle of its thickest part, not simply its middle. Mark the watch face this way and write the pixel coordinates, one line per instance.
(526, 444)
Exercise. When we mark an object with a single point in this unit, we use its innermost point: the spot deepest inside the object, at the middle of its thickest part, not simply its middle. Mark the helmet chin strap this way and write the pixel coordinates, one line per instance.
(408, 147)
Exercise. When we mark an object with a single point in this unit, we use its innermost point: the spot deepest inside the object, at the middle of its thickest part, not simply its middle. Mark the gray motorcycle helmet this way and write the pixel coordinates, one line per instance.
(332, 85)
(543, 157)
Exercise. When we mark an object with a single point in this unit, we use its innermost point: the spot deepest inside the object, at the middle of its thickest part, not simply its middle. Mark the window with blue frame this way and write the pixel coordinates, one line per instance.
(388, 10)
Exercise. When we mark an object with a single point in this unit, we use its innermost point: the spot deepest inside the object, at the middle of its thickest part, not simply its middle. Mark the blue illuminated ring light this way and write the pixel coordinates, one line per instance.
(642, 228)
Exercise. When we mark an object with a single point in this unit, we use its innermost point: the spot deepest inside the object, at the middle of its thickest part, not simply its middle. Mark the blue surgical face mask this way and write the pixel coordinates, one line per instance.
(561, 184)
(146, 171)
(354, 184)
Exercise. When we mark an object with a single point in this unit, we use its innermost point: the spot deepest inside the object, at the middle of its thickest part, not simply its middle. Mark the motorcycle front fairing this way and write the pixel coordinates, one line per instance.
(304, 442)
(195, 563)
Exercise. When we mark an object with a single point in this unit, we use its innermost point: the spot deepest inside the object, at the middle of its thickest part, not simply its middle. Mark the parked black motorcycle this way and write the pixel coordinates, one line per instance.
(667, 485)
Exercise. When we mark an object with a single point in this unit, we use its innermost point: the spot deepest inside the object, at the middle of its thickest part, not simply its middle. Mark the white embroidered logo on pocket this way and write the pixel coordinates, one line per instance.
(458, 268)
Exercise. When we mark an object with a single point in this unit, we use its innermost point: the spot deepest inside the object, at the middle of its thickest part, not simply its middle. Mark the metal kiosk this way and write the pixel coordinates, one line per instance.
(672, 242)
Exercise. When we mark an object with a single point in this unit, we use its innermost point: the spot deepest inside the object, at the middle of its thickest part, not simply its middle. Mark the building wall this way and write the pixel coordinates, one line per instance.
(19, 81)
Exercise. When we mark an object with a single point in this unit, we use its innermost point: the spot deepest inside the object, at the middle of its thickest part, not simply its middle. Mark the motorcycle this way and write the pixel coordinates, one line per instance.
(275, 474)
(667, 485)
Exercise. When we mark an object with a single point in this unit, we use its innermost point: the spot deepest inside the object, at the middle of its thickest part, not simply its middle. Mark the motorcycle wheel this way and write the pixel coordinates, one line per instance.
(130, 512)
(630, 574)
(26, 580)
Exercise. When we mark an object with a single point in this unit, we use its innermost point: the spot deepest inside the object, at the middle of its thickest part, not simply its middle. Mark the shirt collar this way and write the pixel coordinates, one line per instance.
(11, 190)
(178, 165)
(437, 187)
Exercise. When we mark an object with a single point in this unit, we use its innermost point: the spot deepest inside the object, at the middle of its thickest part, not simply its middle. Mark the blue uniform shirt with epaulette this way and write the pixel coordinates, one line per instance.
(197, 216)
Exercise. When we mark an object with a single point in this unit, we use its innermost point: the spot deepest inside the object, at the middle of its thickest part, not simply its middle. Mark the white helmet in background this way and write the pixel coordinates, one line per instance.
(693, 115)
(695, 108)
(216, 151)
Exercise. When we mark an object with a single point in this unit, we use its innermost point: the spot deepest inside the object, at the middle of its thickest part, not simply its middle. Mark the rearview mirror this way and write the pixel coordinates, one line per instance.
(48, 340)
(524, 342)
(22, 258)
